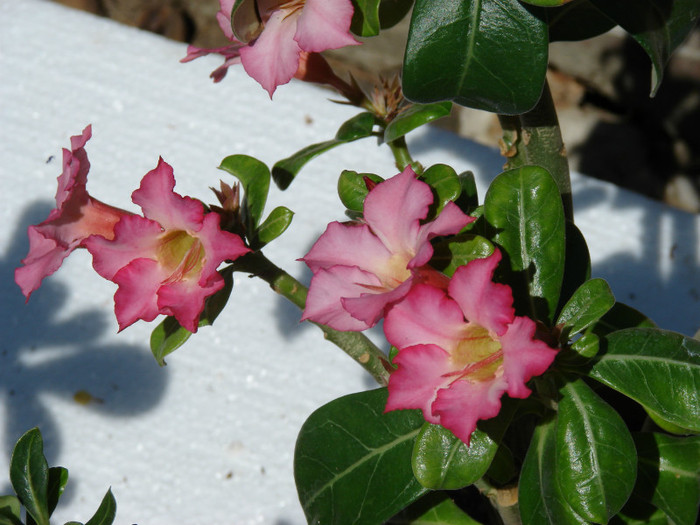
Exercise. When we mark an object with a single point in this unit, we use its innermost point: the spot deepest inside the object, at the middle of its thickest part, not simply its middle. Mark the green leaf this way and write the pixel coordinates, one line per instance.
(391, 12)
(524, 207)
(546, 3)
(589, 303)
(446, 184)
(415, 116)
(367, 477)
(450, 254)
(10, 511)
(596, 460)
(639, 513)
(352, 189)
(539, 495)
(254, 176)
(669, 474)
(442, 461)
(106, 511)
(276, 223)
(58, 477)
(485, 54)
(29, 474)
(365, 17)
(576, 20)
(659, 26)
(436, 508)
(168, 336)
(658, 369)
(469, 197)
(577, 266)
(358, 127)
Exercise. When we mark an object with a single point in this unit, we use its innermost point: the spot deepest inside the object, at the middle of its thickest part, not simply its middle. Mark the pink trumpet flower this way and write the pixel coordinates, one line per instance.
(362, 269)
(277, 34)
(460, 351)
(76, 217)
(164, 262)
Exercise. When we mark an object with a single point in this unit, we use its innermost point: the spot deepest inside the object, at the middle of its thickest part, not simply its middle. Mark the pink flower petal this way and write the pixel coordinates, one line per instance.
(160, 203)
(425, 316)
(136, 298)
(450, 221)
(218, 245)
(483, 302)
(273, 58)
(44, 258)
(325, 24)
(420, 375)
(224, 17)
(370, 307)
(460, 406)
(185, 300)
(523, 356)
(328, 287)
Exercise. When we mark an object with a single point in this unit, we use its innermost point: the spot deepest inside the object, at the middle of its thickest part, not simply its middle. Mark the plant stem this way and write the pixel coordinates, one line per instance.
(401, 154)
(504, 500)
(534, 138)
(355, 344)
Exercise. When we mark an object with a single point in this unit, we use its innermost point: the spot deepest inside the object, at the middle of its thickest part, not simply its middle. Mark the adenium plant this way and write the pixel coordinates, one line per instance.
(513, 388)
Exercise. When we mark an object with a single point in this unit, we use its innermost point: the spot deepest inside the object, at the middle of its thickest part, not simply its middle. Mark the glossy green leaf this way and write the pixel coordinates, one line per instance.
(58, 478)
(589, 303)
(468, 199)
(391, 12)
(445, 183)
(577, 266)
(546, 3)
(575, 20)
(595, 455)
(10, 511)
(669, 474)
(436, 508)
(415, 116)
(451, 253)
(105, 512)
(352, 188)
(659, 26)
(442, 461)
(168, 336)
(539, 495)
(29, 474)
(658, 369)
(365, 17)
(524, 207)
(621, 316)
(254, 176)
(352, 462)
(639, 513)
(358, 127)
(485, 54)
(275, 225)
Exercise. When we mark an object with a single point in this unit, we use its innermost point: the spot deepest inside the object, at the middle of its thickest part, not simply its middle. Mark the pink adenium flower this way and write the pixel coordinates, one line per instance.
(164, 262)
(361, 269)
(270, 48)
(76, 217)
(460, 351)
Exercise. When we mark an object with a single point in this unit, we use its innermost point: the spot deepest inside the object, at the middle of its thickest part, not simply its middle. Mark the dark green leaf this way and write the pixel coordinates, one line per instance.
(587, 345)
(391, 12)
(168, 336)
(436, 508)
(457, 251)
(524, 207)
(446, 184)
(284, 171)
(646, 515)
(659, 26)
(577, 266)
(658, 369)
(669, 474)
(352, 462)
(106, 511)
(414, 117)
(29, 474)
(352, 189)
(469, 197)
(589, 303)
(10, 511)
(539, 496)
(576, 20)
(442, 461)
(486, 54)
(254, 176)
(276, 223)
(58, 477)
(595, 456)
(546, 3)
(622, 316)
(365, 17)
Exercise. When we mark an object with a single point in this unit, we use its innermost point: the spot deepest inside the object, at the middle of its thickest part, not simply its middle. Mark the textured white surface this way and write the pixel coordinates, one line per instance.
(210, 438)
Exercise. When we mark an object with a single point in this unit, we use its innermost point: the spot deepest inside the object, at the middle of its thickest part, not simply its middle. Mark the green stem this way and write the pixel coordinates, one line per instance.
(504, 500)
(401, 154)
(534, 138)
(355, 344)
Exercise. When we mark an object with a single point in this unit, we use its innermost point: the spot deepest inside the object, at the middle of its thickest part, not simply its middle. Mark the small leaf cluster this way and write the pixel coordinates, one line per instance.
(606, 437)
(38, 488)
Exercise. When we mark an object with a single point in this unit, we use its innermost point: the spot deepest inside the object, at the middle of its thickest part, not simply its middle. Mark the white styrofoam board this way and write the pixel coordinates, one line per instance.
(210, 438)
